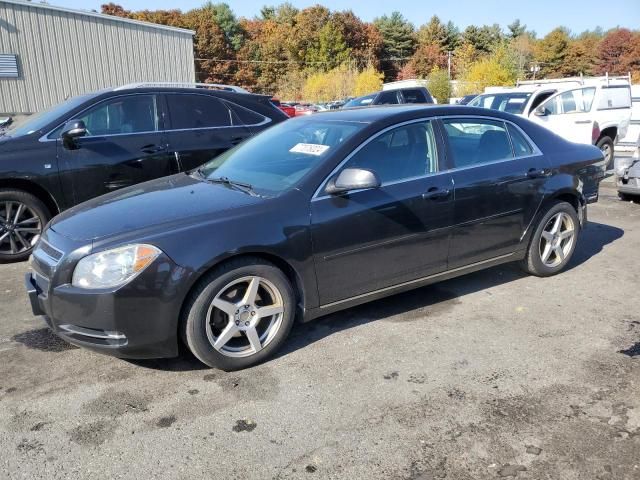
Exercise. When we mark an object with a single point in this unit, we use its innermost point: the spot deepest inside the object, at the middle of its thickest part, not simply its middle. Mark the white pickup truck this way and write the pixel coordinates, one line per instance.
(594, 110)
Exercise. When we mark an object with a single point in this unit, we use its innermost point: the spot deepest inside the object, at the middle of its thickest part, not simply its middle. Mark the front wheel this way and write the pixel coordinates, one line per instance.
(553, 241)
(240, 314)
(605, 144)
(22, 218)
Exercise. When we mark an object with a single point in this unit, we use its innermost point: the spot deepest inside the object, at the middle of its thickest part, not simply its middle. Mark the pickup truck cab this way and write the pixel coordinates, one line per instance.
(594, 111)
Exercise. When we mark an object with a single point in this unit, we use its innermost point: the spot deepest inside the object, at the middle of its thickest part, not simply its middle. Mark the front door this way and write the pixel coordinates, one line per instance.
(124, 145)
(371, 239)
(498, 175)
(568, 114)
(201, 128)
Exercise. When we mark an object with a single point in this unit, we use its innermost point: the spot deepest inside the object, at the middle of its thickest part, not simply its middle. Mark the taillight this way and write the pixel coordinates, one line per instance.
(595, 132)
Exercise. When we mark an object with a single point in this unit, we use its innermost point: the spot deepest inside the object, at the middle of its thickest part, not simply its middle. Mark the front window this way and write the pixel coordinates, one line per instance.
(278, 158)
(40, 120)
(122, 115)
(573, 101)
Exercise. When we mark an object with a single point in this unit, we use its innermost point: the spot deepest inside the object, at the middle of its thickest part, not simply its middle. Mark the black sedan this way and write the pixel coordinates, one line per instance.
(311, 216)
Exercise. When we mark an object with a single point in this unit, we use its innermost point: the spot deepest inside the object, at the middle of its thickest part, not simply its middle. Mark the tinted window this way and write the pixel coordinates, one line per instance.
(404, 152)
(521, 146)
(387, 98)
(244, 116)
(122, 115)
(476, 141)
(279, 157)
(197, 111)
(505, 102)
(414, 96)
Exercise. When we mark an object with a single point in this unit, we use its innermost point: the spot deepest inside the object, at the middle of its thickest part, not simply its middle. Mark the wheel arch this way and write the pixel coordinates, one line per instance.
(611, 132)
(290, 272)
(34, 189)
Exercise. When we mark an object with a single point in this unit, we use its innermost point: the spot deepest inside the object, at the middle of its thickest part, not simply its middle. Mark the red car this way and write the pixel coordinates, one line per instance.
(289, 110)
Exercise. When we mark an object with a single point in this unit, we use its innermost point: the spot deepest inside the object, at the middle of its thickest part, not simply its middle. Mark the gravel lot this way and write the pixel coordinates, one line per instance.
(492, 375)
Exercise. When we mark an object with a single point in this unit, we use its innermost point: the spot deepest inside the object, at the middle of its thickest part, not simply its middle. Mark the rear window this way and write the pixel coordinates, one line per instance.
(197, 111)
(415, 95)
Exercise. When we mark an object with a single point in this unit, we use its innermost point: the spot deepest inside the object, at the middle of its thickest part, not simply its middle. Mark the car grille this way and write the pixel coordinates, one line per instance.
(50, 251)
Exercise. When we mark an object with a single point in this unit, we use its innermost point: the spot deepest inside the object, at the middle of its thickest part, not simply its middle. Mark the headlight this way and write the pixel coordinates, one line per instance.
(112, 268)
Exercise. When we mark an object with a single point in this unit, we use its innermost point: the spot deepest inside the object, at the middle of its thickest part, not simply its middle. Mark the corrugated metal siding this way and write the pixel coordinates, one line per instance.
(62, 54)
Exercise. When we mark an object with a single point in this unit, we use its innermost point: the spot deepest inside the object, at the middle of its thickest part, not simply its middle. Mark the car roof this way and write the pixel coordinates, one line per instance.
(380, 113)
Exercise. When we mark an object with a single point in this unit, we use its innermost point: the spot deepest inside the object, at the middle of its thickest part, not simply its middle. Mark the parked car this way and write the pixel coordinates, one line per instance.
(627, 175)
(96, 143)
(305, 109)
(286, 108)
(309, 217)
(466, 99)
(392, 97)
(585, 110)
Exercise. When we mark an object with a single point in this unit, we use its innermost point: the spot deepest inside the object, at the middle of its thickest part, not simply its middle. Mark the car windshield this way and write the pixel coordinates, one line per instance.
(360, 101)
(505, 102)
(38, 121)
(276, 159)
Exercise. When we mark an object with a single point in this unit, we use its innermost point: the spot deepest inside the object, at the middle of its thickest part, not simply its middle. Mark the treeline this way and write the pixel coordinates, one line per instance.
(319, 54)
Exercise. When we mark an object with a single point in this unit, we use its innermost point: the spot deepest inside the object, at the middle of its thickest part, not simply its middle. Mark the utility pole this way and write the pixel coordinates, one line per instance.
(449, 63)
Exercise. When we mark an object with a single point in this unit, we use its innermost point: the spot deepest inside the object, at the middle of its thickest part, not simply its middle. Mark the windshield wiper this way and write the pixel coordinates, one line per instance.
(242, 186)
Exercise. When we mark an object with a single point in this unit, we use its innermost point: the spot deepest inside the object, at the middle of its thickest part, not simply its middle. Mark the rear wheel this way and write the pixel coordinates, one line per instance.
(240, 315)
(553, 242)
(605, 144)
(22, 218)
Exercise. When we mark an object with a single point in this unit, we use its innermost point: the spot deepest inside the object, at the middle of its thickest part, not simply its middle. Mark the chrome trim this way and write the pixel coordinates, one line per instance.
(87, 332)
(418, 280)
(55, 260)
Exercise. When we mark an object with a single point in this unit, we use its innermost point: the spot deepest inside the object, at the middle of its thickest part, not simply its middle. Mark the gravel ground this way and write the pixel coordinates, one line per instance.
(496, 374)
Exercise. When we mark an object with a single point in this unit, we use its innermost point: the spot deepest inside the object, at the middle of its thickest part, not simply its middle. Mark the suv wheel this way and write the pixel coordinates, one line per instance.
(22, 218)
(553, 242)
(240, 315)
(605, 144)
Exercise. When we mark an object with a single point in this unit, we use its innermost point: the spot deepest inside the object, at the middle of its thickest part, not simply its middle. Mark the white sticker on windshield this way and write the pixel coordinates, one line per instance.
(309, 148)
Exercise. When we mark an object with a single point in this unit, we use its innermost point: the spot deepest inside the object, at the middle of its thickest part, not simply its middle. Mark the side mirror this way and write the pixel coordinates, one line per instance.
(73, 129)
(540, 111)
(352, 179)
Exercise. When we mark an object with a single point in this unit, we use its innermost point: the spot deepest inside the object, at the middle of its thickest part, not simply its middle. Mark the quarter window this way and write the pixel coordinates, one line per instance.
(122, 115)
(402, 153)
(244, 116)
(197, 111)
(477, 141)
(521, 148)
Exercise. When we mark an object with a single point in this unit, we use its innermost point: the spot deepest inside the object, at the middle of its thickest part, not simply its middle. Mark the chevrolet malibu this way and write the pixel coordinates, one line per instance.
(314, 215)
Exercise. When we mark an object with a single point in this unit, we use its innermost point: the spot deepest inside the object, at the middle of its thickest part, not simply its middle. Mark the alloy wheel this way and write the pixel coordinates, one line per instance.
(557, 239)
(244, 317)
(607, 152)
(20, 228)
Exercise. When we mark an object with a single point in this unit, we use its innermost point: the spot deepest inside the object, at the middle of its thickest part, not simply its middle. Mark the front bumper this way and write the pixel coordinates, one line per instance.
(137, 320)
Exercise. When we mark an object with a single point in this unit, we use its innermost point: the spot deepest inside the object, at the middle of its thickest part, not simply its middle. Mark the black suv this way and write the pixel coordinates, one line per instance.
(392, 97)
(96, 143)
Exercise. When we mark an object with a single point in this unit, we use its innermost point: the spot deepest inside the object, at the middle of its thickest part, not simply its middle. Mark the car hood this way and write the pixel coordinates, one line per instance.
(159, 204)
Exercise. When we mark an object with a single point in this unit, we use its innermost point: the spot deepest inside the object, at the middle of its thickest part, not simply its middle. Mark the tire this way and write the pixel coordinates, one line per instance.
(234, 321)
(605, 144)
(561, 249)
(18, 238)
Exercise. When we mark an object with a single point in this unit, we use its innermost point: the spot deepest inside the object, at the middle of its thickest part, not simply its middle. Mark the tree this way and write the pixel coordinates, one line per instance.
(487, 72)
(434, 32)
(367, 81)
(227, 21)
(484, 39)
(551, 52)
(439, 85)
(398, 40)
(115, 10)
(330, 50)
(463, 57)
(363, 39)
(615, 46)
(630, 60)
(581, 56)
(426, 58)
(516, 29)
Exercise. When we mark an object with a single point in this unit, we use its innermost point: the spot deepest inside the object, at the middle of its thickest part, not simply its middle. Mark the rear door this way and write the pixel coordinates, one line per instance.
(125, 144)
(371, 239)
(201, 127)
(568, 114)
(498, 175)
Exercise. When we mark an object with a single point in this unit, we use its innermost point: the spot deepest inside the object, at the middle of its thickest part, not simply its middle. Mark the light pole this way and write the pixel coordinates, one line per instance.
(535, 68)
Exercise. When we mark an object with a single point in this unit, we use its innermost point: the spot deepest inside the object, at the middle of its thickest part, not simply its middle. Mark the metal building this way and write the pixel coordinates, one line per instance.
(50, 53)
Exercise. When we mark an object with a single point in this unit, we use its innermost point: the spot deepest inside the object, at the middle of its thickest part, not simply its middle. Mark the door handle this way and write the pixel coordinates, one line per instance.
(435, 193)
(152, 148)
(582, 122)
(538, 173)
